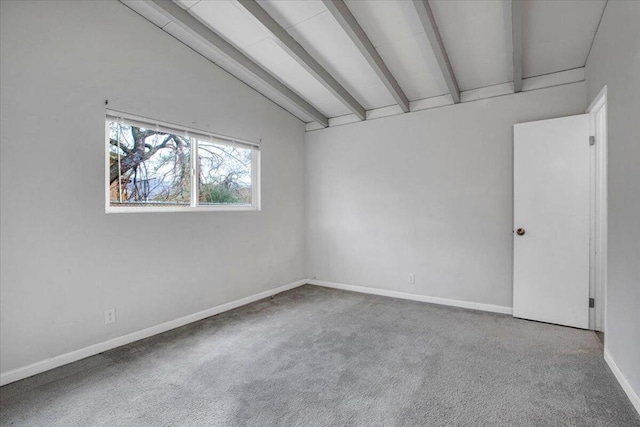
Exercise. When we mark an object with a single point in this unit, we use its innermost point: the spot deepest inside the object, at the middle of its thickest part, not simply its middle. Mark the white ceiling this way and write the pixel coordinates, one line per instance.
(476, 35)
(324, 39)
(558, 34)
(395, 30)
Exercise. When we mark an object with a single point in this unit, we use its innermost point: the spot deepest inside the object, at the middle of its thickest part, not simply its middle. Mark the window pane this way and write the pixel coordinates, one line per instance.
(148, 167)
(224, 174)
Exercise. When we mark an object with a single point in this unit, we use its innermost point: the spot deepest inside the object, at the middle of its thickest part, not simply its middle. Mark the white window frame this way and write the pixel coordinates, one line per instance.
(197, 135)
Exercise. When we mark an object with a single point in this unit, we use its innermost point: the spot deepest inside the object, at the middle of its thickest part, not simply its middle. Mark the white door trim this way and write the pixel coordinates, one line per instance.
(599, 101)
(599, 213)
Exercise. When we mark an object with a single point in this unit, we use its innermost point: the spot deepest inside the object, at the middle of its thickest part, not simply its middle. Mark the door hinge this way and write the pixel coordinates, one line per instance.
(592, 302)
(592, 140)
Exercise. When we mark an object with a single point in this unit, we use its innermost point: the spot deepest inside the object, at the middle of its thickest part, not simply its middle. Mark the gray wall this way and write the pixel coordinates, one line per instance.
(63, 259)
(615, 61)
(428, 193)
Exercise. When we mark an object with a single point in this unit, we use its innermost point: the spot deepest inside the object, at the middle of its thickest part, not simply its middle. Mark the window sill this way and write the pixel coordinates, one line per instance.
(151, 209)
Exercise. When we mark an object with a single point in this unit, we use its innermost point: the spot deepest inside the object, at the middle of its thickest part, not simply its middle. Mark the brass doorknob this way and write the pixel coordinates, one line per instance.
(520, 231)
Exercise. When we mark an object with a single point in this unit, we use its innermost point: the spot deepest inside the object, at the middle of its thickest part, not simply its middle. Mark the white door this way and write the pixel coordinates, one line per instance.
(551, 221)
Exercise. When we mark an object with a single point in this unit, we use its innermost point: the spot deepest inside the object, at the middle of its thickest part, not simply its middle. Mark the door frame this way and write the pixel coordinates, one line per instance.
(599, 213)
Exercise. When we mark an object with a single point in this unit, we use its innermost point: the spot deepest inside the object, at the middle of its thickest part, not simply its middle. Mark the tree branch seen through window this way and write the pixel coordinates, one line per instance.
(153, 168)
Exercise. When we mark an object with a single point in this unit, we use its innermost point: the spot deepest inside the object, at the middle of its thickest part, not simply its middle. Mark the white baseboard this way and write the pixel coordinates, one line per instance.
(63, 359)
(633, 396)
(414, 297)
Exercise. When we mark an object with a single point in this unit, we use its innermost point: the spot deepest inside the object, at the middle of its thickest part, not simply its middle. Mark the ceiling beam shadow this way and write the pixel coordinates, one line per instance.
(297, 52)
(197, 29)
(517, 11)
(349, 24)
(433, 35)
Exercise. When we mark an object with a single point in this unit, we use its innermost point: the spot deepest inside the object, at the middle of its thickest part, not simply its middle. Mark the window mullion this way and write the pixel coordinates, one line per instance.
(195, 173)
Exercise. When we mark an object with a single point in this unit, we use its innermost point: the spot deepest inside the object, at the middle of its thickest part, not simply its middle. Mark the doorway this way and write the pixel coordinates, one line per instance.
(561, 183)
(597, 111)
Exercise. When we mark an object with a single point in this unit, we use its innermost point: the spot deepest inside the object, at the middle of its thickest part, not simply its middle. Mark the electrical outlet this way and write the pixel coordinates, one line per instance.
(110, 316)
(412, 278)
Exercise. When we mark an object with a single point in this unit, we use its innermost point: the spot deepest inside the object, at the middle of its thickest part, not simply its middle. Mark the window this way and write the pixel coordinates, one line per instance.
(154, 167)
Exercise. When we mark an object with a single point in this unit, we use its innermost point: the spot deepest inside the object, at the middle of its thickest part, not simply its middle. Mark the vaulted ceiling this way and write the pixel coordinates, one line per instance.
(333, 61)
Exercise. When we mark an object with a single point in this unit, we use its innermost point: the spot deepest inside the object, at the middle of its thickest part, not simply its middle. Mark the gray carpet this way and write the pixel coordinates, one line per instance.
(321, 357)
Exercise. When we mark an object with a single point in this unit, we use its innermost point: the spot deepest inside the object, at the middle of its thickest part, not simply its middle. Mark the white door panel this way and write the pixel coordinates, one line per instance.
(551, 205)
